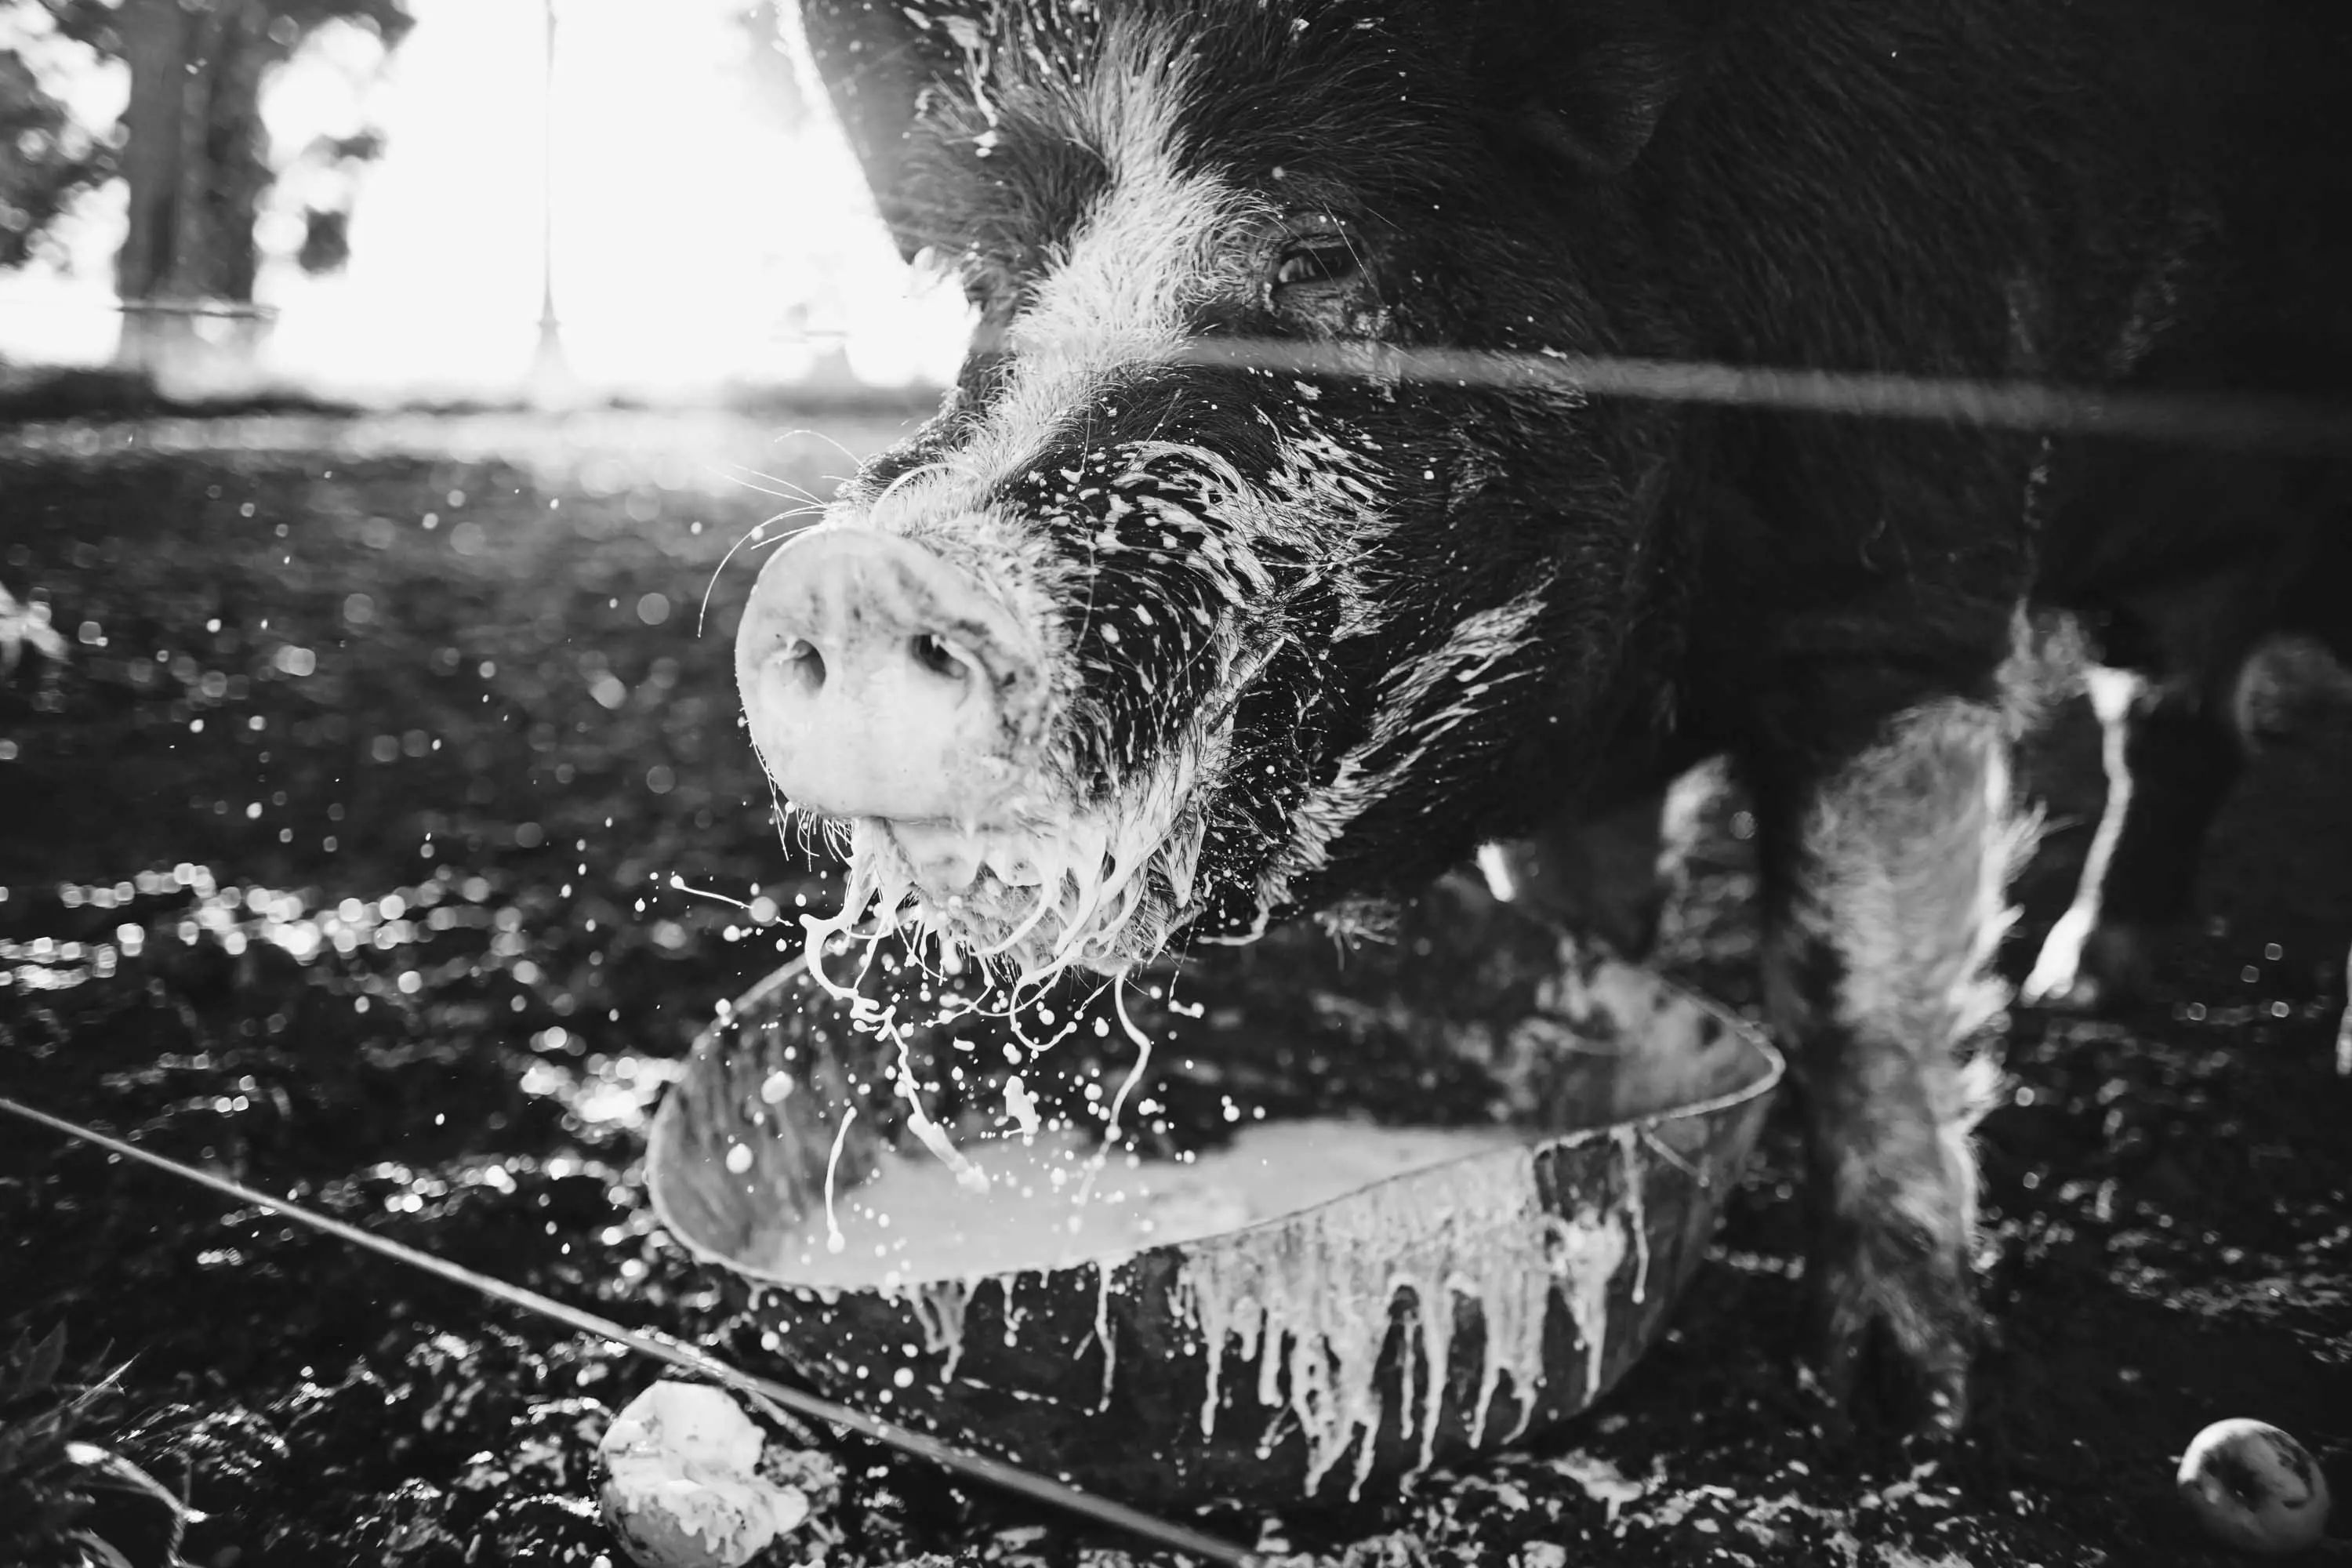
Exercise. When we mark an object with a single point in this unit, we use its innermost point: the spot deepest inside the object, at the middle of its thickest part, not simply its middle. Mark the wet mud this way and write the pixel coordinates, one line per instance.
(386, 834)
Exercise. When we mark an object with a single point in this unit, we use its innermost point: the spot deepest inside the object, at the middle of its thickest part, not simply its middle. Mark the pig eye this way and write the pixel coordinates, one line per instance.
(988, 286)
(1324, 259)
(1316, 282)
(981, 293)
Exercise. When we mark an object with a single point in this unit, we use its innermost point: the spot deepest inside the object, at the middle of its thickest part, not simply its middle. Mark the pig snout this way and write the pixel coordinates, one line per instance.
(881, 681)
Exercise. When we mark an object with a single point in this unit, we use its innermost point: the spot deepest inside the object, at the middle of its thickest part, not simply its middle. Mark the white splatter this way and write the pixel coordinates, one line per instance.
(939, 1306)
(1628, 1139)
(834, 1240)
(1314, 1312)
(969, 1176)
(1587, 1249)
(1021, 1105)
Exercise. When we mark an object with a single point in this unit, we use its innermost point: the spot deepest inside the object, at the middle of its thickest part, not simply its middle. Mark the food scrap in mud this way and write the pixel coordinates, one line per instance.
(687, 1484)
(2253, 1488)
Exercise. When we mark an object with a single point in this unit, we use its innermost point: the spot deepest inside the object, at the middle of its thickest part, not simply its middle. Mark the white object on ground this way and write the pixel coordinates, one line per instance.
(682, 1487)
(21, 623)
(2255, 1487)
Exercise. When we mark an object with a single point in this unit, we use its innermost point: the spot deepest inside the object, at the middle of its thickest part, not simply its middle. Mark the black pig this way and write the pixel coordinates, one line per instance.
(2194, 675)
(1143, 638)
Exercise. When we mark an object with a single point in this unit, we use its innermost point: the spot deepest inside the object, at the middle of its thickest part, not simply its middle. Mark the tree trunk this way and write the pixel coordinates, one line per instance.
(196, 161)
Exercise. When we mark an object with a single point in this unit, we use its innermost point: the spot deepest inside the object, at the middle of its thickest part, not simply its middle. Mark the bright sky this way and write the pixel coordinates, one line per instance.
(696, 236)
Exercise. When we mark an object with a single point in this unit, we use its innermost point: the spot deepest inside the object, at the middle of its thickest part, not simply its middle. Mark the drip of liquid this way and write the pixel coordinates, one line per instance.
(1021, 1105)
(834, 1241)
(1637, 1219)
(1118, 1100)
(1587, 1248)
(969, 1176)
(939, 1308)
(1142, 1060)
(1314, 1313)
(1105, 1275)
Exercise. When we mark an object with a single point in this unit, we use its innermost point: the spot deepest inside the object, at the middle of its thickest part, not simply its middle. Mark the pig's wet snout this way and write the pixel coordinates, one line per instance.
(880, 680)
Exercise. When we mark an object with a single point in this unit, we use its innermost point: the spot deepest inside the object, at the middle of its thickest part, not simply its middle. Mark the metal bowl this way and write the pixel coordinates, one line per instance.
(1410, 1322)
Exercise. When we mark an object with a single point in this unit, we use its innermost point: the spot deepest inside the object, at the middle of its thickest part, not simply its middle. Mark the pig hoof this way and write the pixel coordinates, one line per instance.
(2057, 979)
(2097, 971)
(1930, 1391)
(1910, 1326)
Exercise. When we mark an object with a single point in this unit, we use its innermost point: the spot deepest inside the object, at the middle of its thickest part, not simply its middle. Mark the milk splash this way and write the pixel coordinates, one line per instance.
(834, 1240)
(1314, 1309)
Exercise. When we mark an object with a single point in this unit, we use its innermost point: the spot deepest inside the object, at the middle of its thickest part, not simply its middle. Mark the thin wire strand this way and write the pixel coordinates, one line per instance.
(758, 536)
(2244, 420)
(854, 460)
(786, 489)
(689, 1358)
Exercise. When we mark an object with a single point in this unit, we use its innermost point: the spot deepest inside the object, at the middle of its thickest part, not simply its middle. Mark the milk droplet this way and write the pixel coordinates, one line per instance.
(738, 1158)
(1021, 1105)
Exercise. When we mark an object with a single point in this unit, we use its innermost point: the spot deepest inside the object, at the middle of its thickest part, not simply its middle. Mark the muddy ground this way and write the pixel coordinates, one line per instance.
(348, 852)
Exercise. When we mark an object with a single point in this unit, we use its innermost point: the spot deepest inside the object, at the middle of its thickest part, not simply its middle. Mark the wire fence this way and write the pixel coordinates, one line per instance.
(765, 1393)
(2241, 421)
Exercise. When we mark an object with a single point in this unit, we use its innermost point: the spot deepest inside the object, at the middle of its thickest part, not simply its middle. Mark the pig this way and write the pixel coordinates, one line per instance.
(1190, 612)
(2193, 680)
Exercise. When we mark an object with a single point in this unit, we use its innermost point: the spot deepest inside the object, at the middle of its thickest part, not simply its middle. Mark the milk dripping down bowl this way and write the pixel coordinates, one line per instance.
(1306, 1340)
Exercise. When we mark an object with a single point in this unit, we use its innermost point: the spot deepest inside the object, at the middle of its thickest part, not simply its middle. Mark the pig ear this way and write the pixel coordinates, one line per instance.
(1591, 77)
(876, 58)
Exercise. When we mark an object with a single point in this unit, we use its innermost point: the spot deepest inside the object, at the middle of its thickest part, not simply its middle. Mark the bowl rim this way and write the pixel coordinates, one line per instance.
(1773, 1067)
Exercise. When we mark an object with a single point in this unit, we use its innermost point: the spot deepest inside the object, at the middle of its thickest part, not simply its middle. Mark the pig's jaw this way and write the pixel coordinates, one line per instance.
(1099, 889)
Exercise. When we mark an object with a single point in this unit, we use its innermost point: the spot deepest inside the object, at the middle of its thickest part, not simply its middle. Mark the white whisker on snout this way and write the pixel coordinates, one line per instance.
(759, 536)
(754, 479)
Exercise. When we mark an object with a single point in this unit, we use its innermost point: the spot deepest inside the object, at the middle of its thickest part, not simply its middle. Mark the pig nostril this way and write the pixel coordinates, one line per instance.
(939, 657)
(802, 661)
(879, 682)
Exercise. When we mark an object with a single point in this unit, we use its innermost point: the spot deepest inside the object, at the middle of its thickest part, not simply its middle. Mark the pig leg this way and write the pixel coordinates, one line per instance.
(2221, 666)
(2171, 761)
(2344, 1029)
(1884, 880)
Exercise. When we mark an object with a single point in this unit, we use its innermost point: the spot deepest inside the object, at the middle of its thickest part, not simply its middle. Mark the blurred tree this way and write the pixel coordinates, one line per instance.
(195, 157)
(45, 160)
